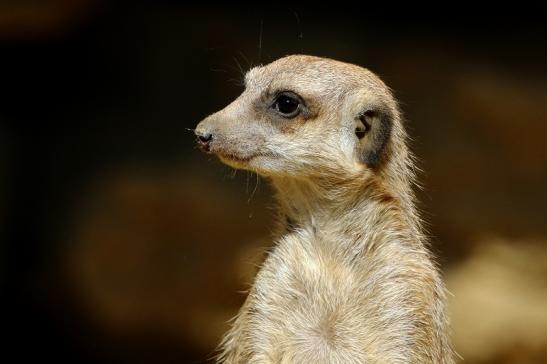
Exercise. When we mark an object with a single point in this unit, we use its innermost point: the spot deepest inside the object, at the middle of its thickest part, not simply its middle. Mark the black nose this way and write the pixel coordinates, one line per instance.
(204, 140)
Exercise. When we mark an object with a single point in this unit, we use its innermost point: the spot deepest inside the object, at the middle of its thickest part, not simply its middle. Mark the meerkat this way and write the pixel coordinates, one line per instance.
(350, 278)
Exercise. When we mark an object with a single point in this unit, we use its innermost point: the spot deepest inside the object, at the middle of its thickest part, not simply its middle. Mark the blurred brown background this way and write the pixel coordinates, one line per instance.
(123, 244)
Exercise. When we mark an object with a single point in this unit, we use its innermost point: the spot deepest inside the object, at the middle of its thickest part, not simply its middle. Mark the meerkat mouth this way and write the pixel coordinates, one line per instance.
(229, 157)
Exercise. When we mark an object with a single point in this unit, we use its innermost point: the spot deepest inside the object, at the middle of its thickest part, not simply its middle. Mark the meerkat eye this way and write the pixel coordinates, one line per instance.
(287, 105)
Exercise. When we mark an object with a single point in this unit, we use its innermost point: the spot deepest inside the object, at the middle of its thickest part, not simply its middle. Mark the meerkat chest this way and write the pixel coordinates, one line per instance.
(312, 305)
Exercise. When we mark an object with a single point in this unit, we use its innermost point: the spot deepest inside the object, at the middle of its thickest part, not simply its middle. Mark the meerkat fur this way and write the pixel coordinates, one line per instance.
(350, 278)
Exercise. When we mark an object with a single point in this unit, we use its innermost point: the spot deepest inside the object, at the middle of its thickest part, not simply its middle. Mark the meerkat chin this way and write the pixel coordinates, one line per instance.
(350, 278)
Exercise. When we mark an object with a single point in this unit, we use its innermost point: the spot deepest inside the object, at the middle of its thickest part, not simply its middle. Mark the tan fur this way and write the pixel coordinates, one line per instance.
(350, 279)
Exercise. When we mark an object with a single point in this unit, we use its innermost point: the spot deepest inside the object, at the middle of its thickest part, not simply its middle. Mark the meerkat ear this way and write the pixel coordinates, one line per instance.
(373, 129)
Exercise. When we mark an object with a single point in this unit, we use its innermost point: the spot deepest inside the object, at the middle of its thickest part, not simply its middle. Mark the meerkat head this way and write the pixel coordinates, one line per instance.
(304, 116)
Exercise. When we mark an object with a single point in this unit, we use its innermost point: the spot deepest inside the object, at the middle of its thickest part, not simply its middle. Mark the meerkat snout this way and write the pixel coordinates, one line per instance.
(203, 140)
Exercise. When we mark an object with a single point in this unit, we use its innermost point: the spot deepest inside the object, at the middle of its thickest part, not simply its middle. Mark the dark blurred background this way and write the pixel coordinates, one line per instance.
(121, 243)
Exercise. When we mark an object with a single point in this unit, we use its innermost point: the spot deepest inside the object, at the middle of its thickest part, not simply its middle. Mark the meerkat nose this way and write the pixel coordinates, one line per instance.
(204, 140)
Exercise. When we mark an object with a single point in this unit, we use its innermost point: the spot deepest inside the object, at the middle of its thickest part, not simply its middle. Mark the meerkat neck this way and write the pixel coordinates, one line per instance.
(346, 207)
